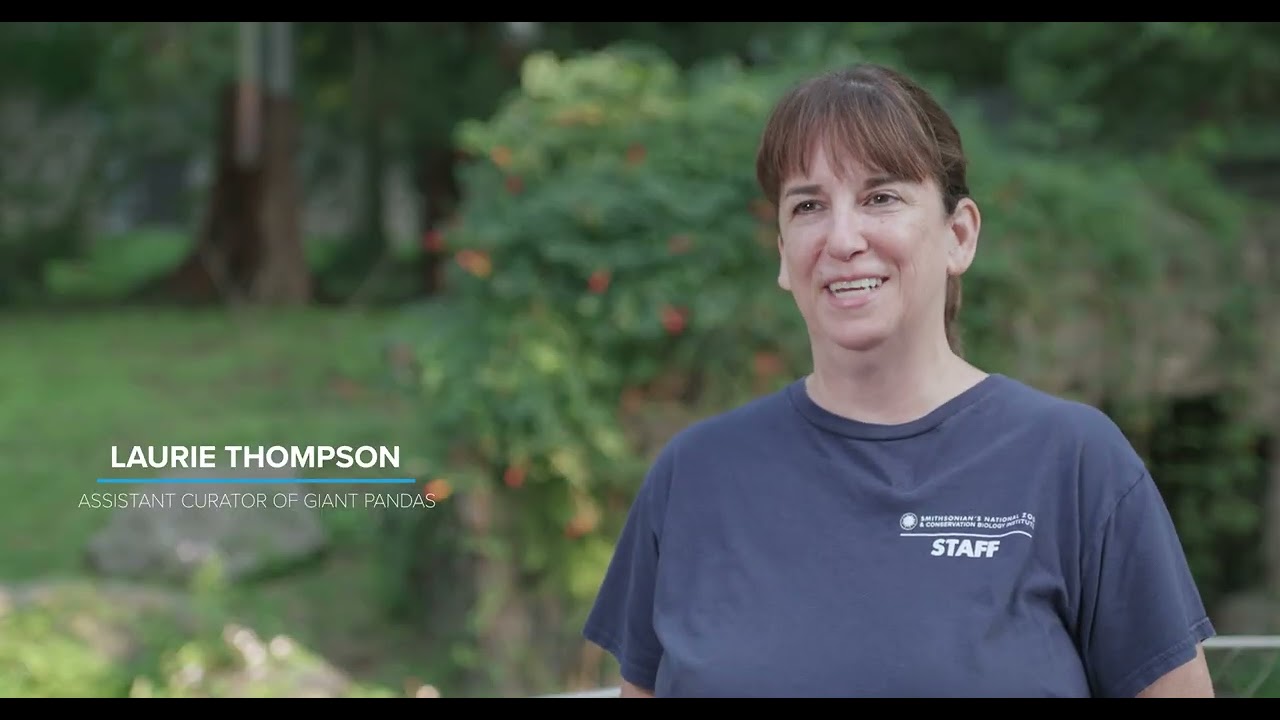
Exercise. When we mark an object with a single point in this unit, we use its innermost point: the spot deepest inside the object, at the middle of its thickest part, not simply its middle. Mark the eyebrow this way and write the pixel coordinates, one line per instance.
(875, 181)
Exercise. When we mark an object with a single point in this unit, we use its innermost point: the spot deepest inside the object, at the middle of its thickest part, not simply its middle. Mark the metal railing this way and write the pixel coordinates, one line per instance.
(1241, 666)
(1245, 665)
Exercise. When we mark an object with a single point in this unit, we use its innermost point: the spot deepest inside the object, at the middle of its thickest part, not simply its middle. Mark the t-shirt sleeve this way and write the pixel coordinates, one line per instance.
(1141, 612)
(621, 620)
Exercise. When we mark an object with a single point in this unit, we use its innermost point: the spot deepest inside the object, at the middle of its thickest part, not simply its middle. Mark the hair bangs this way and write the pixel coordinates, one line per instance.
(856, 123)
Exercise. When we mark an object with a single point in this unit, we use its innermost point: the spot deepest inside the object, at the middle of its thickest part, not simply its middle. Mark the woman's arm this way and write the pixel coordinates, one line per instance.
(1190, 680)
(630, 690)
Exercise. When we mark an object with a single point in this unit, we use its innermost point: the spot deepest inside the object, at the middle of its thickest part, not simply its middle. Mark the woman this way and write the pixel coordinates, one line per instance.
(898, 522)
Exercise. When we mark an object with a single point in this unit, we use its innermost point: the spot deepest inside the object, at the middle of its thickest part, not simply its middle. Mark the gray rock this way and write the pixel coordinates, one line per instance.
(186, 527)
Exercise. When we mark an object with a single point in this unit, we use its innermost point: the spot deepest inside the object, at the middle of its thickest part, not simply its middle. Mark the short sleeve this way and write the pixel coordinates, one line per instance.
(1141, 612)
(621, 620)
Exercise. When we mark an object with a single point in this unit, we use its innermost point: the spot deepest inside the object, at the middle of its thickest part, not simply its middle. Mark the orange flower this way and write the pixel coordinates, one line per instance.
(438, 489)
(579, 526)
(767, 365)
(514, 476)
(501, 156)
(433, 241)
(476, 262)
(599, 281)
(674, 319)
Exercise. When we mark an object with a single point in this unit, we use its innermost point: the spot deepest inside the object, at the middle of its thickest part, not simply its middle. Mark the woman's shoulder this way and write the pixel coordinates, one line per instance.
(1069, 431)
(1031, 403)
(1071, 417)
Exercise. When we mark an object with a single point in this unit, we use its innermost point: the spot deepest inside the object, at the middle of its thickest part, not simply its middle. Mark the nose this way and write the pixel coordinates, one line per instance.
(846, 238)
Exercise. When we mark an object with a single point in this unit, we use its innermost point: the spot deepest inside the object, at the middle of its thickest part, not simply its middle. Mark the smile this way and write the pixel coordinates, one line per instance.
(850, 288)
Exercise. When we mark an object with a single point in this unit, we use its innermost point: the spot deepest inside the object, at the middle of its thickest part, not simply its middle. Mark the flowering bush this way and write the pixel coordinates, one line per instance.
(612, 255)
(613, 276)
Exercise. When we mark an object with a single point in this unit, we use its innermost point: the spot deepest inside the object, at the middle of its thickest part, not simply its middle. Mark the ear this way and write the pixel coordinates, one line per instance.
(965, 224)
(784, 277)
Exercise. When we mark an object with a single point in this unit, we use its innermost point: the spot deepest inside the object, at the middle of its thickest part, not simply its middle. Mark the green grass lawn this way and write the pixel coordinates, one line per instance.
(76, 384)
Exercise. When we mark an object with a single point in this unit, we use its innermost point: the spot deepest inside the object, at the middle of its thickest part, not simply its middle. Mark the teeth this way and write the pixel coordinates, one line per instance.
(863, 284)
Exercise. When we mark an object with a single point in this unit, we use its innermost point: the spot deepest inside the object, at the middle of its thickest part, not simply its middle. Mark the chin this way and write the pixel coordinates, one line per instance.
(857, 336)
(858, 341)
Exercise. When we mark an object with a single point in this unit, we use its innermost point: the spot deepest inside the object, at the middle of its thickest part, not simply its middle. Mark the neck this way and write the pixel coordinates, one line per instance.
(889, 385)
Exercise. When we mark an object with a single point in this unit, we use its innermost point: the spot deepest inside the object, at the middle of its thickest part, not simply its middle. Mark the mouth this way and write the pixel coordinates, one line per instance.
(855, 288)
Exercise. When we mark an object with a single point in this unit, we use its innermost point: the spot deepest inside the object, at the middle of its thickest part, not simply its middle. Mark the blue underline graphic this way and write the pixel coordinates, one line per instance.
(257, 481)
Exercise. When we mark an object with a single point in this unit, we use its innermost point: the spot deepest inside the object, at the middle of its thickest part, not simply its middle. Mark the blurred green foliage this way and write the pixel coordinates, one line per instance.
(79, 639)
(611, 277)
(613, 256)
(602, 247)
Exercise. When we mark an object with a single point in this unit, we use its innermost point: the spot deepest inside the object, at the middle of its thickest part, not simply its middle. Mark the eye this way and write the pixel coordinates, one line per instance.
(805, 206)
(882, 198)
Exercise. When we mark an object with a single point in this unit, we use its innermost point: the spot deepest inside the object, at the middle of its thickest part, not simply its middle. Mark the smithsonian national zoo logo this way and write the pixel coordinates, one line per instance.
(967, 536)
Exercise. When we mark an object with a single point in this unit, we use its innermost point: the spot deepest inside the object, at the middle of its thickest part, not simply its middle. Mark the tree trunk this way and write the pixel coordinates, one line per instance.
(371, 120)
(439, 196)
(250, 247)
(280, 274)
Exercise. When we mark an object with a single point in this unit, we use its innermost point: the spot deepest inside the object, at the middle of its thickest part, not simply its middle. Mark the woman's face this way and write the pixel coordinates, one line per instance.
(867, 256)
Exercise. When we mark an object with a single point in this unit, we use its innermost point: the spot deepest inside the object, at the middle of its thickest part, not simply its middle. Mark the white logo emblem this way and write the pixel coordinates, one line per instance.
(970, 536)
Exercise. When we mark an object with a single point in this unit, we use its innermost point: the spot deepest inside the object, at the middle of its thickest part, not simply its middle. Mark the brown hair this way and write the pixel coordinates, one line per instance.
(879, 116)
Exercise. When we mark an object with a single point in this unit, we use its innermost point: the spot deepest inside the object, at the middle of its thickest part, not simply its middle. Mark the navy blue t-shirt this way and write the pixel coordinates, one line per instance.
(1010, 543)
